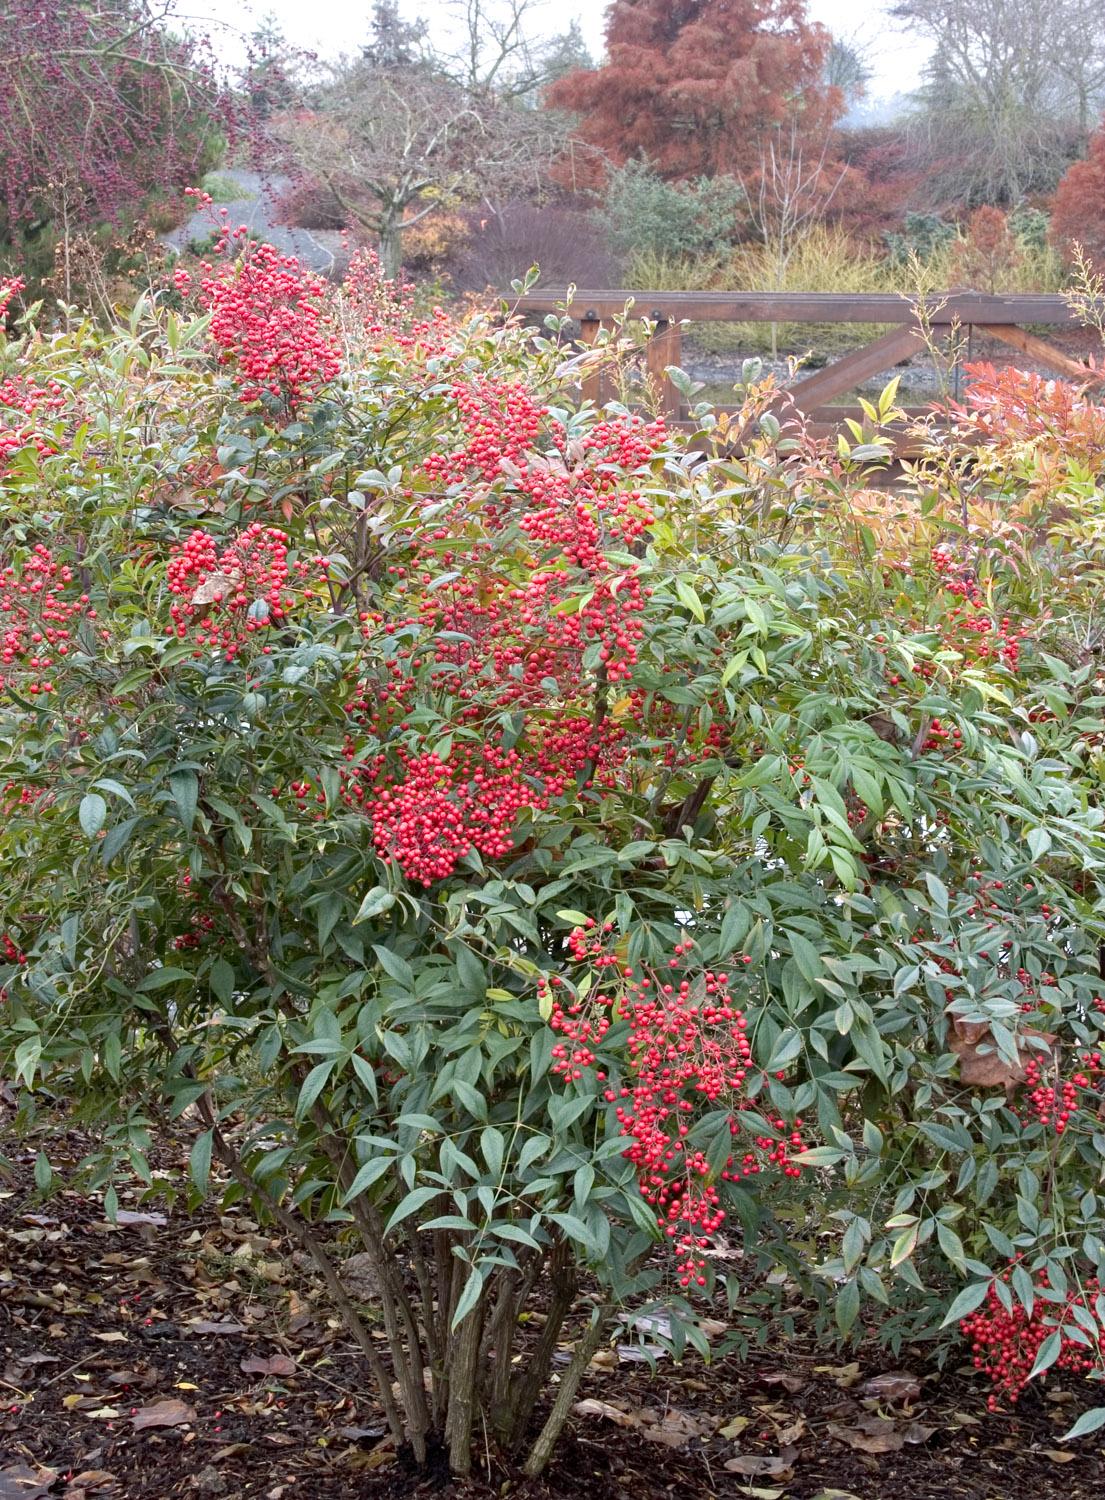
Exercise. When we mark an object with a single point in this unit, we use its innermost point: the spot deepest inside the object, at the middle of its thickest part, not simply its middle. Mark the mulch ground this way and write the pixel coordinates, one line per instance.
(194, 1355)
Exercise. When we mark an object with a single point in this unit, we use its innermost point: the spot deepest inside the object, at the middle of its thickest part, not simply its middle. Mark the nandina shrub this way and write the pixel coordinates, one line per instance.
(540, 851)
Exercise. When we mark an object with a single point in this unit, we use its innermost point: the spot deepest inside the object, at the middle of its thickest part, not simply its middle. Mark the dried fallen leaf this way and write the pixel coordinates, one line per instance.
(592, 1408)
(276, 1364)
(756, 1466)
(21, 1483)
(874, 1436)
(215, 588)
(167, 1413)
(734, 1428)
(791, 1383)
(1060, 1455)
(792, 1432)
(893, 1386)
(128, 1217)
(880, 1434)
(201, 1325)
(835, 1495)
(114, 1337)
(673, 1428)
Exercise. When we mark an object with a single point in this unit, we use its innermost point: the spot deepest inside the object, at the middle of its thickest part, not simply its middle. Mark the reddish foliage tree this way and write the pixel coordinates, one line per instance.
(99, 106)
(1078, 208)
(988, 254)
(696, 85)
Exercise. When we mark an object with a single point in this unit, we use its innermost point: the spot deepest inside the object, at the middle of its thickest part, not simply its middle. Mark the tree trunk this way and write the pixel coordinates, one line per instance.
(391, 243)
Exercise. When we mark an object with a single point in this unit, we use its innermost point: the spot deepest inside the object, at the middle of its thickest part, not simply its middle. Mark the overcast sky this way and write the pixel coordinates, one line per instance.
(341, 25)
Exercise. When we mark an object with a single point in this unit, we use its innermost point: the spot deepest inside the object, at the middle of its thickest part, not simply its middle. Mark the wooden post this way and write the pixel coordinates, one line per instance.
(664, 348)
(589, 327)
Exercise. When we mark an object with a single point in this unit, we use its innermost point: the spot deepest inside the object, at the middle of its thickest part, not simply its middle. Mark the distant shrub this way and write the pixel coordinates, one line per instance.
(567, 243)
(431, 242)
(1030, 227)
(987, 255)
(307, 203)
(646, 214)
(922, 237)
(224, 187)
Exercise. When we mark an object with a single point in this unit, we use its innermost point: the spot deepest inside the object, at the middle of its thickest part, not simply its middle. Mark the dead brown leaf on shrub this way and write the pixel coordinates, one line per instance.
(167, 1413)
(980, 1063)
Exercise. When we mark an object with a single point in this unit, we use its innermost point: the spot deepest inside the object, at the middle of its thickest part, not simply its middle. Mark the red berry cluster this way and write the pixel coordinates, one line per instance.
(39, 603)
(229, 593)
(10, 953)
(1006, 1341)
(1054, 1103)
(200, 923)
(976, 636)
(687, 1048)
(501, 637)
(27, 401)
(942, 736)
(380, 310)
(268, 318)
(439, 810)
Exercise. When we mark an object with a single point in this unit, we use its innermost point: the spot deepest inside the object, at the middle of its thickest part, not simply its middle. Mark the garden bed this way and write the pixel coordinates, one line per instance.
(211, 1324)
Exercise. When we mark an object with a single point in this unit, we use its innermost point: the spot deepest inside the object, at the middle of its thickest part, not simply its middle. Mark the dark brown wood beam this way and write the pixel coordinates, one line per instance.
(804, 307)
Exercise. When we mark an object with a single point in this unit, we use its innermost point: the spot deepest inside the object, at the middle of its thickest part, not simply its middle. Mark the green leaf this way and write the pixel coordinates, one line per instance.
(375, 903)
(1039, 842)
(1048, 1353)
(469, 1297)
(160, 979)
(787, 1048)
(969, 1298)
(371, 1172)
(493, 1147)
(313, 1085)
(185, 788)
(417, 1198)
(221, 980)
(44, 1172)
(1088, 1422)
(688, 597)
(199, 1162)
(847, 1306)
(92, 813)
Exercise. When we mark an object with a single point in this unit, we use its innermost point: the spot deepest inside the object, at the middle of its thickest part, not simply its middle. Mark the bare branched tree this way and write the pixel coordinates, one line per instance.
(792, 191)
(390, 144)
(1013, 87)
(505, 48)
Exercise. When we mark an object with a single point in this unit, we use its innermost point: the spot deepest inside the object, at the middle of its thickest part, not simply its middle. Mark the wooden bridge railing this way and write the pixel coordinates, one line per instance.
(996, 317)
